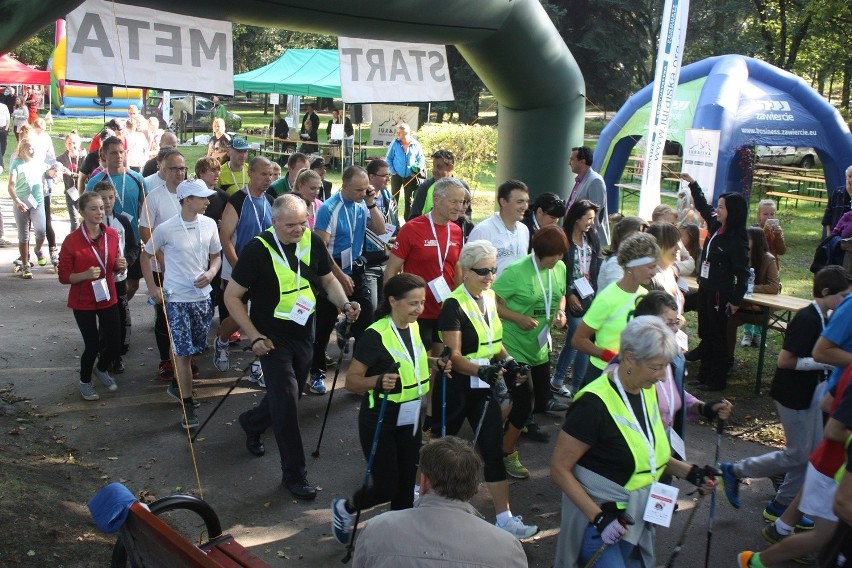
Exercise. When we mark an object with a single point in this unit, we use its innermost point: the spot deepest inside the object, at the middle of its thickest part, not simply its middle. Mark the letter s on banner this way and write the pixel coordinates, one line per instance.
(142, 47)
(374, 71)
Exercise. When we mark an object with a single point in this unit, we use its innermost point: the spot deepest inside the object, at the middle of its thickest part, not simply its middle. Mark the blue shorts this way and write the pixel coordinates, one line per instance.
(189, 323)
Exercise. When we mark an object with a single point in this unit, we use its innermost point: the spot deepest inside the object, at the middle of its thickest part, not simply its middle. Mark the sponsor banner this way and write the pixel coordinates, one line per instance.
(669, 53)
(148, 48)
(374, 71)
(384, 121)
(700, 158)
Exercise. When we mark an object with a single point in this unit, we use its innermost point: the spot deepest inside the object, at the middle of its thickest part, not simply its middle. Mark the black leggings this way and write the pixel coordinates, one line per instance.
(712, 329)
(48, 227)
(326, 318)
(540, 375)
(395, 463)
(161, 330)
(104, 344)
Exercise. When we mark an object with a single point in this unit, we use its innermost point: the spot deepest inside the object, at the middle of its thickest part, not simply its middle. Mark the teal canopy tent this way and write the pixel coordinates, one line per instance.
(304, 72)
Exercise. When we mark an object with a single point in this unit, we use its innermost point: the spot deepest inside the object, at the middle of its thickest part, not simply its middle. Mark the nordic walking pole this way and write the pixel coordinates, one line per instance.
(343, 328)
(351, 546)
(442, 364)
(593, 560)
(720, 426)
(679, 546)
(222, 400)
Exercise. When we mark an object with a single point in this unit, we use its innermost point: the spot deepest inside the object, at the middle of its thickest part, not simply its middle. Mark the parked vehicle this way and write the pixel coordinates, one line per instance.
(200, 119)
(799, 156)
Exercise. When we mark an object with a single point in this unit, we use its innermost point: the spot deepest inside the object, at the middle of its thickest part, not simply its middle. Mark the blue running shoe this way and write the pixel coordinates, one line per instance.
(774, 510)
(341, 521)
(731, 485)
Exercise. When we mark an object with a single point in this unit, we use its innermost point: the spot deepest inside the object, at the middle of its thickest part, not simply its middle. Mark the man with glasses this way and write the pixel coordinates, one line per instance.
(160, 205)
(341, 223)
(376, 246)
(505, 229)
(443, 165)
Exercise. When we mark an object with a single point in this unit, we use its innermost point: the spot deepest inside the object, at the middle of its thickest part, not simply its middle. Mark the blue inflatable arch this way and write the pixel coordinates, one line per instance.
(750, 102)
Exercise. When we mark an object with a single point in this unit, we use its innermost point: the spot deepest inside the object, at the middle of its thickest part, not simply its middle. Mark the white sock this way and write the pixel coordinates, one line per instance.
(783, 528)
(503, 518)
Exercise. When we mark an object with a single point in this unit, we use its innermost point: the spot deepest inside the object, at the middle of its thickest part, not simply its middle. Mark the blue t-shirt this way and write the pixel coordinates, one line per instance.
(346, 222)
(129, 190)
(839, 332)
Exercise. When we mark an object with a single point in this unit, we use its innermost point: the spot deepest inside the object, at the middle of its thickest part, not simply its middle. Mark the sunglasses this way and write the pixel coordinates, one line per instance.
(484, 271)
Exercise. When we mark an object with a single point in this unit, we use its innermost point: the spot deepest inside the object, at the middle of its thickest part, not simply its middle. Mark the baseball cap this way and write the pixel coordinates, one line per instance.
(318, 163)
(193, 188)
(238, 143)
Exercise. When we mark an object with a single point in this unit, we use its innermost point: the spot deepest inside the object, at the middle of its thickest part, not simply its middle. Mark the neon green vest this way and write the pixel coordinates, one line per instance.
(400, 354)
(470, 308)
(429, 203)
(838, 477)
(287, 277)
(641, 476)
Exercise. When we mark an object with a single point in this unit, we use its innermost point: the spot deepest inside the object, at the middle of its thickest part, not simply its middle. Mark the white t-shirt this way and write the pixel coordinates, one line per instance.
(186, 248)
(160, 205)
(154, 181)
(112, 221)
(510, 245)
(609, 272)
(137, 149)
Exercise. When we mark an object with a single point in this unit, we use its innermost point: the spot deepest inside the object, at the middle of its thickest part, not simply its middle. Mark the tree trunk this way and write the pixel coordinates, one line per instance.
(847, 83)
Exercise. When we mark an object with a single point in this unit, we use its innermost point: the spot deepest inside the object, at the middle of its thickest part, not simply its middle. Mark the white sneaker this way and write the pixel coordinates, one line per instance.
(87, 391)
(561, 391)
(517, 528)
(221, 358)
(746, 342)
(105, 380)
(256, 375)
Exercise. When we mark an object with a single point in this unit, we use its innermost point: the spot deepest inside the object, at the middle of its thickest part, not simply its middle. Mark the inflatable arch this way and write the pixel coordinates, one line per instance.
(751, 102)
(511, 44)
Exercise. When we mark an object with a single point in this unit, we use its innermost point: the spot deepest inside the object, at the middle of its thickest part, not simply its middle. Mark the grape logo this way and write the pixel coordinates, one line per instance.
(774, 110)
(680, 106)
(774, 105)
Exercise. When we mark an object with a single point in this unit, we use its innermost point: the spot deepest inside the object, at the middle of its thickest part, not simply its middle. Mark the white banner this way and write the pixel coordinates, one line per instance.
(384, 121)
(700, 158)
(669, 53)
(142, 47)
(374, 71)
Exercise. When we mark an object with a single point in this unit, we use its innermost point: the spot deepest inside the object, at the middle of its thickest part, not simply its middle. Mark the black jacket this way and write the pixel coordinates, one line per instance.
(727, 255)
(594, 268)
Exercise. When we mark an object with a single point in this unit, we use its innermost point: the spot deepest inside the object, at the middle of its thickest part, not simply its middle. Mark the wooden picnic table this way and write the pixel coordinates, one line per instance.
(777, 310)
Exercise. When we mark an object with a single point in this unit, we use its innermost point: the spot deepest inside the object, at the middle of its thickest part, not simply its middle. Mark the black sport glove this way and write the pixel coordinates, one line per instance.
(611, 523)
(489, 373)
(707, 410)
(697, 475)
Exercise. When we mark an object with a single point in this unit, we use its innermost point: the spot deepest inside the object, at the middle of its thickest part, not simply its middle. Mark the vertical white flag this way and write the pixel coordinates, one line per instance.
(669, 54)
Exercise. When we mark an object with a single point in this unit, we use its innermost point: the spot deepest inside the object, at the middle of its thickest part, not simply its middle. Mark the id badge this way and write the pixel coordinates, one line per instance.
(346, 259)
(682, 340)
(101, 290)
(544, 337)
(389, 231)
(439, 289)
(31, 201)
(73, 194)
(683, 285)
(583, 287)
(409, 413)
(677, 444)
(661, 503)
(302, 310)
(476, 382)
(705, 269)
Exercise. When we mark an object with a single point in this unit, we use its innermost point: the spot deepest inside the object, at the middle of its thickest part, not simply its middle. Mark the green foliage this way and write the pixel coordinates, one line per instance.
(36, 50)
(475, 147)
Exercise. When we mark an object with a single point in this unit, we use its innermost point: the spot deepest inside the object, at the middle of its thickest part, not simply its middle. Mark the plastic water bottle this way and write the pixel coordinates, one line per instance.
(166, 295)
(750, 288)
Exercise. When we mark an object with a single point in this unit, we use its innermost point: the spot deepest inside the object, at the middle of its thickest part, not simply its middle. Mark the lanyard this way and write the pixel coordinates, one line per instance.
(413, 359)
(298, 260)
(254, 208)
(584, 253)
(195, 253)
(548, 294)
(709, 244)
(118, 195)
(349, 216)
(669, 393)
(649, 437)
(234, 177)
(102, 261)
(489, 333)
(441, 260)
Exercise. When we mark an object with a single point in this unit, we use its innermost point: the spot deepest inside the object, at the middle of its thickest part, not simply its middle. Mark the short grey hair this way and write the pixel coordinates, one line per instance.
(474, 251)
(767, 203)
(648, 337)
(403, 126)
(288, 202)
(442, 187)
(259, 162)
(849, 170)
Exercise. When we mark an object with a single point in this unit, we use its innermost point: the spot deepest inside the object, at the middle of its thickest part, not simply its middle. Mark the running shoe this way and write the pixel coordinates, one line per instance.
(221, 357)
(256, 374)
(731, 485)
(514, 467)
(105, 379)
(40, 258)
(87, 391)
(26, 274)
(341, 521)
(318, 383)
(774, 510)
(166, 371)
(517, 528)
(189, 420)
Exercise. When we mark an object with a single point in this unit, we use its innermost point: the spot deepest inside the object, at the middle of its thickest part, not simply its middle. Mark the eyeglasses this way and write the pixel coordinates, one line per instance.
(484, 271)
(177, 170)
(381, 175)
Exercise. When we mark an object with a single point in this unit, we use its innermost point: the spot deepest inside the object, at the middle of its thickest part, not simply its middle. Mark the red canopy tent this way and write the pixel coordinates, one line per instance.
(13, 72)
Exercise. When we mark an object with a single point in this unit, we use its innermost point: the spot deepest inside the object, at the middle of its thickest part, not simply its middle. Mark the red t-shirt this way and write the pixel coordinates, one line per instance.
(416, 245)
(829, 456)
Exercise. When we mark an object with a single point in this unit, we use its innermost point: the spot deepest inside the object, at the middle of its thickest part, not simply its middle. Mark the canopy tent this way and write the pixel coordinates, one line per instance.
(750, 102)
(304, 72)
(13, 72)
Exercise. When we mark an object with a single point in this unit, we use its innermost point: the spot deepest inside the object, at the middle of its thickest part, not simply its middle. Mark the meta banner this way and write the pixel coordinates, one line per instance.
(120, 44)
(373, 71)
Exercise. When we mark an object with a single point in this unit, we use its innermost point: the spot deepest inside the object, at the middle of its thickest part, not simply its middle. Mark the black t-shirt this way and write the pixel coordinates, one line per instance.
(72, 165)
(217, 204)
(255, 271)
(150, 167)
(791, 388)
(371, 351)
(89, 164)
(589, 421)
(453, 318)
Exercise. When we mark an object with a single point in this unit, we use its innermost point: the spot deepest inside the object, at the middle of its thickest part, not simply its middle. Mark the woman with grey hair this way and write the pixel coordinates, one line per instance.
(470, 327)
(612, 449)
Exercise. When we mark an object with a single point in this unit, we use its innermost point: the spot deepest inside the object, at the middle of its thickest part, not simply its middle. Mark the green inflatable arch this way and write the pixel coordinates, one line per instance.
(510, 44)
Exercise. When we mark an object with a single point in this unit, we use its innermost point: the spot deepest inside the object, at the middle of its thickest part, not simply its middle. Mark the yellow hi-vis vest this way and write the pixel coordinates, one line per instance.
(287, 276)
(471, 309)
(641, 476)
(400, 354)
(838, 477)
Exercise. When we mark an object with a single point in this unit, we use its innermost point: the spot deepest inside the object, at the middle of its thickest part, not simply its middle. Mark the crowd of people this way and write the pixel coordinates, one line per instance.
(452, 321)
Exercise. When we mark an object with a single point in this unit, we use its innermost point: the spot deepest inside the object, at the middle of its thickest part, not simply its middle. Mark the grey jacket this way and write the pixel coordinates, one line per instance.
(436, 532)
(593, 188)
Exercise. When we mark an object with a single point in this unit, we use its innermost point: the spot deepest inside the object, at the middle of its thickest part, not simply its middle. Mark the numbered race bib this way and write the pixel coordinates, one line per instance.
(302, 310)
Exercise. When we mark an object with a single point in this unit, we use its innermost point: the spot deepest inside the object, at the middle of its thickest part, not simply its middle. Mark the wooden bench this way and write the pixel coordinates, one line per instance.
(797, 196)
(146, 541)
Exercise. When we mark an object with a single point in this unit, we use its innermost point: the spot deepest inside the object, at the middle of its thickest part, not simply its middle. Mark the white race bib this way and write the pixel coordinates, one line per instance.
(583, 287)
(475, 381)
(101, 290)
(346, 259)
(302, 310)
(661, 503)
(409, 413)
(439, 289)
